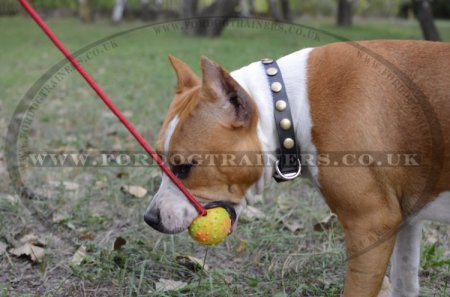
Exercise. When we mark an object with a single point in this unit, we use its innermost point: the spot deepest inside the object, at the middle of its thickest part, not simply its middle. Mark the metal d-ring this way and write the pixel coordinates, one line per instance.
(288, 176)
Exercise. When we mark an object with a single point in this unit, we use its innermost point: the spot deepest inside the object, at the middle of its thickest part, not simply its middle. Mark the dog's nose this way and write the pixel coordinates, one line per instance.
(153, 218)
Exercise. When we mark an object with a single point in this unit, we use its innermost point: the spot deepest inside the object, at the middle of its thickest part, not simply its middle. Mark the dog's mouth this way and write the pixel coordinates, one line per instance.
(229, 207)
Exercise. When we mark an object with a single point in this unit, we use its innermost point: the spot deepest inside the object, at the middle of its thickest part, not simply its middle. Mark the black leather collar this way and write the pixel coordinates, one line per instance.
(288, 164)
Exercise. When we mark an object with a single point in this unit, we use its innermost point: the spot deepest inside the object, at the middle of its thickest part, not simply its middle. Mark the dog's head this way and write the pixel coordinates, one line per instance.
(209, 139)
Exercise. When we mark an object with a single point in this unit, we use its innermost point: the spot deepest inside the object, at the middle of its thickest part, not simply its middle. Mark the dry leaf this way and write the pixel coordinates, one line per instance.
(431, 236)
(3, 247)
(293, 225)
(118, 243)
(100, 184)
(128, 113)
(284, 202)
(10, 198)
(123, 175)
(59, 217)
(35, 253)
(242, 247)
(68, 185)
(87, 237)
(250, 214)
(32, 238)
(326, 223)
(169, 285)
(191, 263)
(154, 173)
(79, 256)
(135, 191)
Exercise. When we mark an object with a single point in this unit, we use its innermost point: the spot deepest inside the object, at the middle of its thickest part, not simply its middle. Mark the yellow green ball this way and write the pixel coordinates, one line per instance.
(211, 229)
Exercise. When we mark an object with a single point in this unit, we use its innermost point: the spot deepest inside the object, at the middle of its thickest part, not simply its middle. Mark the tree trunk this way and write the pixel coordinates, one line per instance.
(423, 13)
(247, 7)
(345, 11)
(85, 11)
(286, 10)
(118, 10)
(223, 10)
(189, 11)
(212, 20)
(274, 10)
(145, 11)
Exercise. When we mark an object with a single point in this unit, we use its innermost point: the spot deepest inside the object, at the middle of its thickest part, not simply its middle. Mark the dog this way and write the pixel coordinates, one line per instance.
(356, 105)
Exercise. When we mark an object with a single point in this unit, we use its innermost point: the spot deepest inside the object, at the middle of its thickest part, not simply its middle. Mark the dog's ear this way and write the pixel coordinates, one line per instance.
(234, 99)
(186, 77)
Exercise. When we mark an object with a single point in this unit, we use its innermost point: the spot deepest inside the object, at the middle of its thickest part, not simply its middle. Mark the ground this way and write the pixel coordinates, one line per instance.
(84, 206)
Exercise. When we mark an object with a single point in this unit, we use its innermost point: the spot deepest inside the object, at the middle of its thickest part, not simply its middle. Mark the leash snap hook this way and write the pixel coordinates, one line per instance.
(290, 175)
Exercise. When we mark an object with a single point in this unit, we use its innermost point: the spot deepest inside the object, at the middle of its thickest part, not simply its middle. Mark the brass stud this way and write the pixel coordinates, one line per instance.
(271, 71)
(288, 143)
(285, 124)
(276, 87)
(280, 105)
(267, 61)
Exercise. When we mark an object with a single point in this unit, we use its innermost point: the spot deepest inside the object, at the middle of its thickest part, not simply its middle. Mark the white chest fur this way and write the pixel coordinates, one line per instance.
(294, 71)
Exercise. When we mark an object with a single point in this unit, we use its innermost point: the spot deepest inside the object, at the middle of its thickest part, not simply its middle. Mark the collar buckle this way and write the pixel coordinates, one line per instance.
(287, 175)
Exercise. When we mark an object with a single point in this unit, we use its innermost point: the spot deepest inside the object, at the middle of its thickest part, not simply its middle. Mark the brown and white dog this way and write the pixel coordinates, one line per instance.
(376, 96)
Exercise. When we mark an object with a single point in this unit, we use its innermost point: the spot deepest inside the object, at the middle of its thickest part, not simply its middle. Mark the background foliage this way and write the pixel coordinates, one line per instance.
(375, 8)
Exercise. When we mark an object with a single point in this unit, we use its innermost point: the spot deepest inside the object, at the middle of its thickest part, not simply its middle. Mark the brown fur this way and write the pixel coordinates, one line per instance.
(380, 96)
(221, 127)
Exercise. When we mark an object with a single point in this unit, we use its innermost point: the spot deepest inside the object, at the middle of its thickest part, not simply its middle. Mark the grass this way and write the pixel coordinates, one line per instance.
(261, 258)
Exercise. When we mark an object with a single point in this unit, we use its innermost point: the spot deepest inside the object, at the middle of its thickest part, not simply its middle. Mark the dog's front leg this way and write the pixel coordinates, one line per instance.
(370, 214)
(370, 239)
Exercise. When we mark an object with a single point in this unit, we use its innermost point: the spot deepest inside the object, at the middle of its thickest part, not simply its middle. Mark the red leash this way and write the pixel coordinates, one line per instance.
(201, 210)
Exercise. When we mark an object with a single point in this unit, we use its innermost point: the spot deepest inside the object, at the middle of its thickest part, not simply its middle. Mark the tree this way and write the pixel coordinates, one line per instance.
(85, 11)
(211, 21)
(282, 13)
(423, 12)
(286, 10)
(344, 13)
(247, 7)
(145, 12)
(189, 11)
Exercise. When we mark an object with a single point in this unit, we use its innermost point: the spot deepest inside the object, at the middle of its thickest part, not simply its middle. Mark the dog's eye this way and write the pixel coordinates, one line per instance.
(182, 170)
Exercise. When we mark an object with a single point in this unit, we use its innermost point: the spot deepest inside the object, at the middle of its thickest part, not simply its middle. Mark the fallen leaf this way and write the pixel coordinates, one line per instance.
(68, 185)
(169, 285)
(192, 263)
(154, 173)
(87, 237)
(135, 191)
(58, 217)
(284, 202)
(293, 225)
(250, 214)
(326, 223)
(10, 198)
(35, 253)
(128, 113)
(100, 184)
(431, 236)
(123, 175)
(118, 243)
(228, 279)
(242, 246)
(3, 247)
(33, 239)
(79, 256)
